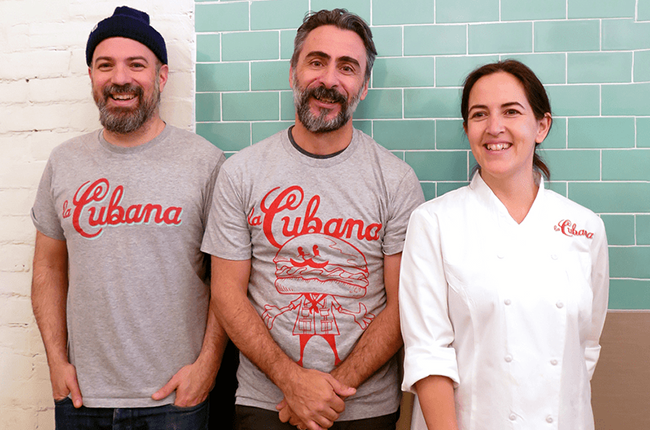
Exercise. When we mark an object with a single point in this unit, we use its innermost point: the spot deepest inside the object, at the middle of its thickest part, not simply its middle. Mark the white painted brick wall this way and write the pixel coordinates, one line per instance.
(45, 100)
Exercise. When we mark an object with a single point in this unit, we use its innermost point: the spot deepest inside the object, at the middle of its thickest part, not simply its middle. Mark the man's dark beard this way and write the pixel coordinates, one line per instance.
(126, 120)
(318, 124)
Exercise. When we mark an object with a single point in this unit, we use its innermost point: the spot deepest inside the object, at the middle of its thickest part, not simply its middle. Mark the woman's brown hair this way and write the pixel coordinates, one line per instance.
(533, 88)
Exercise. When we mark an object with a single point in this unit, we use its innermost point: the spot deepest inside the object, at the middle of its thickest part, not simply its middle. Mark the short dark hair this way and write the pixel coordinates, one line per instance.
(533, 88)
(342, 19)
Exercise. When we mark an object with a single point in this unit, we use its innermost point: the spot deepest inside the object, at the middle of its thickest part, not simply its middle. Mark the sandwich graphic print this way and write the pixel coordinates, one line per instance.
(323, 276)
(317, 269)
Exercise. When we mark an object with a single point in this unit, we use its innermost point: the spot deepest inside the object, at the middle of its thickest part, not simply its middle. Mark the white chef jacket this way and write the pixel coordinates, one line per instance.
(512, 313)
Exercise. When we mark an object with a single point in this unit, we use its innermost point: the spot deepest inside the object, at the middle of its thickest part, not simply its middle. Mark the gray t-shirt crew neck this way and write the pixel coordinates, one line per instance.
(316, 231)
(133, 220)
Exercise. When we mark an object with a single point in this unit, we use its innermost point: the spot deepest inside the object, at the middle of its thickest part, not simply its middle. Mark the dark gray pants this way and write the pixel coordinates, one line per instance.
(249, 418)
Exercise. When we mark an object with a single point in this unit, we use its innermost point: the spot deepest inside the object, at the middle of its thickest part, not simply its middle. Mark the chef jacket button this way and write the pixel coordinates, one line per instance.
(560, 305)
(512, 417)
(554, 256)
(554, 362)
(549, 419)
(508, 358)
(507, 302)
(500, 255)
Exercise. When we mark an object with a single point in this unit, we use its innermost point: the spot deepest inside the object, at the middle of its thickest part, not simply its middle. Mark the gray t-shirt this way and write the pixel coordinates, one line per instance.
(316, 230)
(133, 220)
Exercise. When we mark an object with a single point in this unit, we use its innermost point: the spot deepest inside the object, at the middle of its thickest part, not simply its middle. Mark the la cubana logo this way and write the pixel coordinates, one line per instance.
(90, 214)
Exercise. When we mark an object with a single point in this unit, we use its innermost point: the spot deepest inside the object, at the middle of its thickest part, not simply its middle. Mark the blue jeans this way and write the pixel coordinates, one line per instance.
(67, 417)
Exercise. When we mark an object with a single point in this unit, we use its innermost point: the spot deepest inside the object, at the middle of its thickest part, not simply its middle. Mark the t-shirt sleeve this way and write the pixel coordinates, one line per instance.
(403, 202)
(209, 189)
(227, 235)
(43, 213)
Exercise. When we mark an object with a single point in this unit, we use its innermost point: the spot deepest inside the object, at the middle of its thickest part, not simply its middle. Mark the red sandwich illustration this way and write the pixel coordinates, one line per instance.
(317, 263)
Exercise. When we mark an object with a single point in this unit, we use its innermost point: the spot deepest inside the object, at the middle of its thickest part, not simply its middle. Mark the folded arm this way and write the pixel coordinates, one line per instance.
(313, 395)
(381, 340)
(379, 343)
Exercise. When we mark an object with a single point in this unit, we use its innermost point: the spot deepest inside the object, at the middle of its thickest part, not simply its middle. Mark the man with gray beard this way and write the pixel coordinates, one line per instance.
(306, 233)
(125, 120)
(120, 287)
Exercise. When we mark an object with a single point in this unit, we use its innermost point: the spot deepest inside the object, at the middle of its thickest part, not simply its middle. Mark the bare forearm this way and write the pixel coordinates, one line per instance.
(214, 343)
(241, 321)
(49, 305)
(248, 332)
(312, 395)
(436, 396)
(382, 339)
(49, 295)
(378, 344)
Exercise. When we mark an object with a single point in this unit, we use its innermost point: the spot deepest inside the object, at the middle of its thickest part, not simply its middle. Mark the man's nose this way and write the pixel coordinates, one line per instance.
(120, 75)
(329, 77)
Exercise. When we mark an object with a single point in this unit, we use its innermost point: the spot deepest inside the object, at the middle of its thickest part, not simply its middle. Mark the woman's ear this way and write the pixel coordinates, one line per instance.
(543, 127)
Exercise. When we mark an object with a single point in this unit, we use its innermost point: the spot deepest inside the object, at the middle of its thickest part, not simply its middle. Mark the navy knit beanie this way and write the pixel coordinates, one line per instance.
(129, 23)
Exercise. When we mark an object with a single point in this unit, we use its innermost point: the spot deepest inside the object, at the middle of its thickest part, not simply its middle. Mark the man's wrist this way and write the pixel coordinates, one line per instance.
(208, 364)
(56, 360)
(344, 377)
(284, 379)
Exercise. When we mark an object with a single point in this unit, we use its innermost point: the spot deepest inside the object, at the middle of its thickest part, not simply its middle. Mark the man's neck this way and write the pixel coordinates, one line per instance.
(322, 143)
(149, 131)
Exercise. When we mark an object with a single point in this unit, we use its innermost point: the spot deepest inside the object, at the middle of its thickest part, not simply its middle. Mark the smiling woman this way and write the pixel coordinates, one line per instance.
(503, 132)
(532, 97)
(504, 284)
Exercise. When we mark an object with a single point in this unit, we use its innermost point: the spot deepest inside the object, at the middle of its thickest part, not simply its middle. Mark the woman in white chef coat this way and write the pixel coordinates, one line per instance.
(504, 283)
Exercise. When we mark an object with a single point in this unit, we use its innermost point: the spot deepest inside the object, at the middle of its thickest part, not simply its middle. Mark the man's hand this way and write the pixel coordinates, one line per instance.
(64, 382)
(192, 385)
(287, 414)
(193, 382)
(314, 400)
(313, 396)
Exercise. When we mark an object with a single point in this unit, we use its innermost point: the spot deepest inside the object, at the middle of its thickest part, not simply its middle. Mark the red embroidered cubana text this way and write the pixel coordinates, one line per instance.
(89, 218)
(569, 229)
(289, 200)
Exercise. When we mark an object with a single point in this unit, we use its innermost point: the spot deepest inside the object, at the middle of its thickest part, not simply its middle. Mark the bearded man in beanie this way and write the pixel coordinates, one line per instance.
(120, 287)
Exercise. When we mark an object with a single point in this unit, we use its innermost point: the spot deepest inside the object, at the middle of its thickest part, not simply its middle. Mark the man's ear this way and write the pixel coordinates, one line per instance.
(163, 74)
(364, 92)
(291, 76)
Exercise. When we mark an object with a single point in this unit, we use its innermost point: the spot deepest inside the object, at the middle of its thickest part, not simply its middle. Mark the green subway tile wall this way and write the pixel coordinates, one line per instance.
(593, 56)
(497, 38)
(519, 10)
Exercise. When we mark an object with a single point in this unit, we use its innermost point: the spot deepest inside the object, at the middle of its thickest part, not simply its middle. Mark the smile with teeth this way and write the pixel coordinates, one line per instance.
(498, 146)
(123, 96)
(326, 100)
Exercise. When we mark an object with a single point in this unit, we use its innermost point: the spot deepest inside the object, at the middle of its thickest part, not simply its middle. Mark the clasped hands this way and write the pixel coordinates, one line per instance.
(312, 399)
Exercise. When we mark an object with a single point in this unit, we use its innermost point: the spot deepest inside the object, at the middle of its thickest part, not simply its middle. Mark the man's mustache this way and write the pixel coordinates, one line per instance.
(329, 94)
(122, 89)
